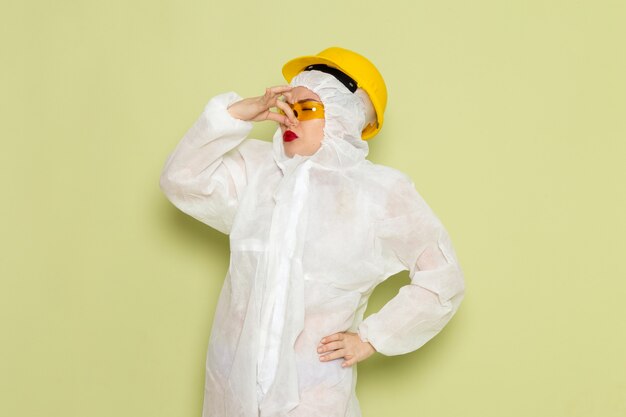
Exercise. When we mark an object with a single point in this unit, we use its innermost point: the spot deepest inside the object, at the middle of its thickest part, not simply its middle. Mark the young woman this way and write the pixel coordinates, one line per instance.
(314, 227)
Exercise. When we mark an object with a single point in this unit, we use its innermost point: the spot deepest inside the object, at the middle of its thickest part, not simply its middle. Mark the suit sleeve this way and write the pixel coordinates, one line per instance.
(414, 239)
(206, 173)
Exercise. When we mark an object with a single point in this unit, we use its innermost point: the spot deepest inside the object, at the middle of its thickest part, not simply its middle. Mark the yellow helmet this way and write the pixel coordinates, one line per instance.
(358, 68)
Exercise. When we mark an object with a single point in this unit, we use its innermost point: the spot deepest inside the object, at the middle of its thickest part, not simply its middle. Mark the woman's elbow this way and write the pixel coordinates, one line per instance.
(169, 186)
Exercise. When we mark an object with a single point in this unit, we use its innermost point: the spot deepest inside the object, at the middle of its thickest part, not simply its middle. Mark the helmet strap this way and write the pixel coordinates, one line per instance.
(344, 78)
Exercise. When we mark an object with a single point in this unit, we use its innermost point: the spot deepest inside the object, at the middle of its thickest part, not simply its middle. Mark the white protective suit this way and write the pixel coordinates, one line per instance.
(310, 238)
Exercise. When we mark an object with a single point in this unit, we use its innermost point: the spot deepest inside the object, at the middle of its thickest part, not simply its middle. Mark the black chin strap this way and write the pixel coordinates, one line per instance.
(344, 78)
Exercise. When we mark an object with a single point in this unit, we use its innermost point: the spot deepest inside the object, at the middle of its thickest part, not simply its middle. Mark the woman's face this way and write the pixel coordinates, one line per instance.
(308, 133)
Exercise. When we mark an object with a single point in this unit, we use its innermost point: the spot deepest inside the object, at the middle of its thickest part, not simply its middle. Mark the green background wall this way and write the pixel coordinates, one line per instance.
(508, 115)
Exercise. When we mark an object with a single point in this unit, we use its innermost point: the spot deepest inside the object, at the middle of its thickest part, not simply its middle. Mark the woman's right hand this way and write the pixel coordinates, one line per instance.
(258, 108)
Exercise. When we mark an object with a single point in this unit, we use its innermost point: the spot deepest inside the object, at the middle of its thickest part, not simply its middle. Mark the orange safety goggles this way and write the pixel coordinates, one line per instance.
(306, 110)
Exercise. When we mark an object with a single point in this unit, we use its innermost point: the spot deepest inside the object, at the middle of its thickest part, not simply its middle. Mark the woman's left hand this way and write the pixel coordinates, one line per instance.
(346, 345)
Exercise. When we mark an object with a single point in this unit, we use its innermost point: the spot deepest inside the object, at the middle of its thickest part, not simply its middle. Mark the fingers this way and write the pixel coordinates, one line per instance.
(351, 360)
(339, 353)
(277, 117)
(272, 94)
(288, 111)
(334, 342)
(342, 346)
(333, 337)
(331, 346)
(279, 89)
(271, 98)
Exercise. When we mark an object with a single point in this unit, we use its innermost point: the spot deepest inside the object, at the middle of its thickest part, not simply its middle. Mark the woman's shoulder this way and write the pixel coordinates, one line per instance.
(392, 191)
(385, 177)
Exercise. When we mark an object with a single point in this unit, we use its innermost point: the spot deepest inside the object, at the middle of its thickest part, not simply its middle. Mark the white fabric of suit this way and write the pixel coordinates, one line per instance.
(310, 239)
